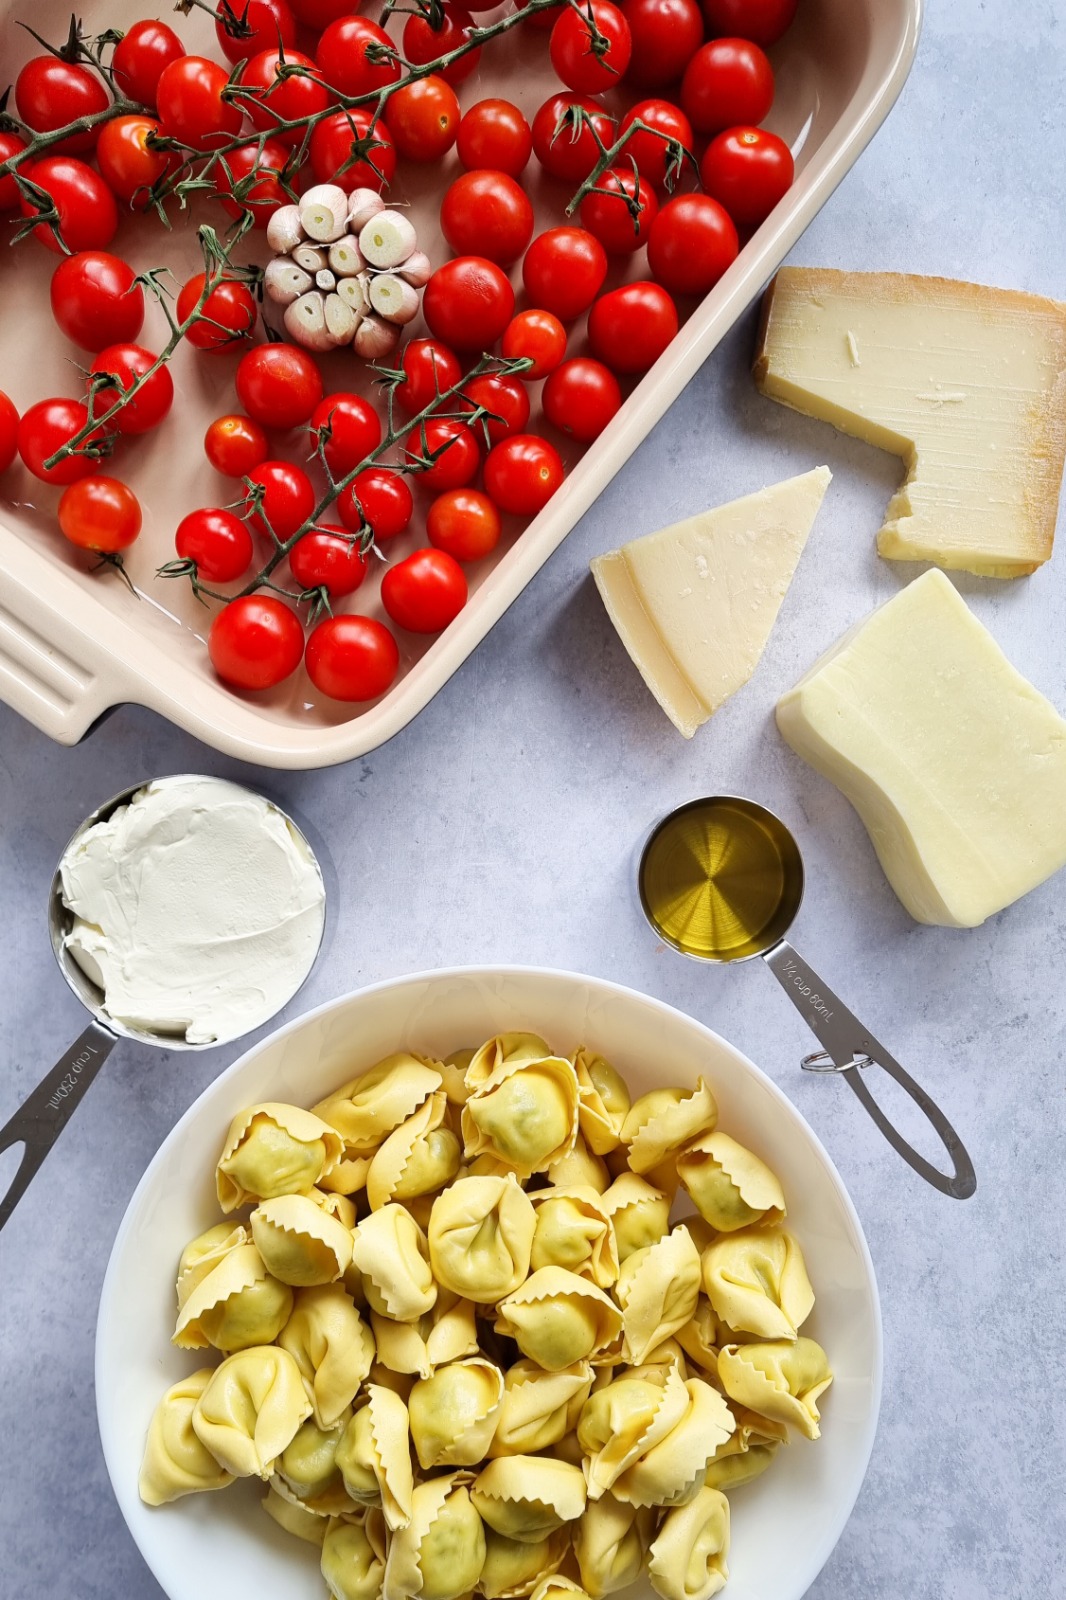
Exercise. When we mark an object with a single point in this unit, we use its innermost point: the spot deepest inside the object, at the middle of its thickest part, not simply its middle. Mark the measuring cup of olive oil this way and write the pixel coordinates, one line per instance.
(721, 879)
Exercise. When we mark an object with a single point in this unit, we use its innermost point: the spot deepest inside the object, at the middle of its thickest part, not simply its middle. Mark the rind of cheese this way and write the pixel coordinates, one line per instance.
(966, 383)
(694, 603)
(954, 762)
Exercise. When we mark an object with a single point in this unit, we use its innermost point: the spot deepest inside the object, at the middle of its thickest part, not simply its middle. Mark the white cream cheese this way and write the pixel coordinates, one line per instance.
(197, 909)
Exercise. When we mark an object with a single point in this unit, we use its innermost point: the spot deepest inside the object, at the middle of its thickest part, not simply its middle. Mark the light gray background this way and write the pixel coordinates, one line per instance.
(500, 826)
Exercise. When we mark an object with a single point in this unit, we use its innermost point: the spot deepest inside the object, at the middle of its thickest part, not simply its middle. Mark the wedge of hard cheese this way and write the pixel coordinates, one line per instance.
(694, 603)
(967, 384)
(954, 762)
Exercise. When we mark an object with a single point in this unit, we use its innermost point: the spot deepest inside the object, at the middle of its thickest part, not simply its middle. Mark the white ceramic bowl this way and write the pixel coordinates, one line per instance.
(784, 1525)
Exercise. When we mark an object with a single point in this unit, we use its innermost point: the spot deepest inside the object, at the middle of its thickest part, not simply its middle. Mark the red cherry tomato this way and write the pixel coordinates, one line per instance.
(144, 410)
(657, 159)
(234, 445)
(465, 523)
(9, 431)
(50, 92)
(379, 500)
(424, 119)
(348, 428)
(564, 149)
(425, 592)
(764, 21)
(275, 95)
(318, 14)
(278, 385)
(564, 271)
(468, 302)
(331, 146)
(286, 502)
(255, 642)
(88, 216)
(538, 336)
(423, 43)
(450, 445)
(522, 473)
(45, 428)
(581, 397)
(191, 107)
(96, 299)
(352, 658)
(342, 56)
(430, 368)
(328, 558)
(229, 314)
(99, 513)
(10, 145)
(140, 58)
(631, 327)
(129, 166)
(666, 34)
(504, 403)
(605, 211)
(728, 82)
(245, 27)
(747, 170)
(217, 541)
(577, 63)
(262, 165)
(692, 242)
(487, 214)
(495, 135)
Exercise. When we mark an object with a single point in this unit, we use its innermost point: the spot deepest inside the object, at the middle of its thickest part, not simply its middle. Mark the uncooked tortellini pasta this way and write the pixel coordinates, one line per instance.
(274, 1149)
(391, 1253)
(658, 1289)
(747, 1452)
(670, 1471)
(202, 1254)
(307, 1467)
(730, 1186)
(440, 1554)
(292, 1516)
(624, 1419)
(367, 1108)
(353, 1557)
(175, 1462)
(251, 1409)
(374, 1456)
(525, 1114)
(514, 1567)
(505, 1050)
(331, 1345)
(779, 1379)
(237, 1303)
(538, 1407)
(610, 1542)
(660, 1122)
(639, 1213)
(604, 1101)
(688, 1554)
(581, 1166)
(557, 1318)
(757, 1282)
(419, 1157)
(481, 1236)
(528, 1497)
(575, 1232)
(454, 1412)
(299, 1241)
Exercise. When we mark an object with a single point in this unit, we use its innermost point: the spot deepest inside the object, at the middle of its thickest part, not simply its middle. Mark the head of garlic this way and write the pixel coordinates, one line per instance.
(346, 269)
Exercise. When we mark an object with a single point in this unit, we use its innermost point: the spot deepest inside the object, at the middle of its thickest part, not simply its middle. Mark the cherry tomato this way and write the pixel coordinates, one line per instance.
(352, 658)
(666, 34)
(692, 242)
(747, 170)
(191, 107)
(564, 271)
(146, 409)
(234, 445)
(217, 542)
(287, 500)
(425, 592)
(630, 327)
(318, 14)
(451, 446)
(581, 397)
(341, 54)
(140, 58)
(423, 43)
(129, 166)
(495, 135)
(764, 21)
(274, 96)
(468, 302)
(424, 119)
(349, 428)
(328, 558)
(377, 499)
(43, 430)
(430, 368)
(96, 300)
(563, 149)
(229, 312)
(727, 82)
(88, 215)
(487, 214)
(50, 92)
(465, 523)
(522, 473)
(245, 27)
(9, 431)
(505, 405)
(254, 174)
(538, 335)
(605, 211)
(278, 385)
(331, 146)
(255, 642)
(654, 157)
(10, 145)
(99, 513)
(571, 47)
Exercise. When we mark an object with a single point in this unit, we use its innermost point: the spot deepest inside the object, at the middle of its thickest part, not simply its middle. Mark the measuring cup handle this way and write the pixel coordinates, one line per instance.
(41, 1118)
(846, 1041)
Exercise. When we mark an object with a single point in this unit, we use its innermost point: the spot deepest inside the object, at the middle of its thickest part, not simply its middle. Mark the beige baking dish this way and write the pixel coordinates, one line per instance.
(73, 644)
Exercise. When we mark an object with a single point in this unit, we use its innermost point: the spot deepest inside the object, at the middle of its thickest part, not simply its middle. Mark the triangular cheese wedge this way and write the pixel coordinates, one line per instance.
(694, 603)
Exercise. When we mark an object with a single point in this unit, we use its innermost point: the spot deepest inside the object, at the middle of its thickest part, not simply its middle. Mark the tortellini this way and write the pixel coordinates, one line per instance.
(251, 1409)
(524, 1114)
(202, 1254)
(504, 1050)
(419, 1157)
(446, 1333)
(558, 1587)
(440, 1554)
(481, 1237)
(307, 1467)
(331, 1345)
(391, 1253)
(539, 1408)
(557, 1318)
(293, 1517)
(660, 1122)
(353, 1557)
(175, 1462)
(730, 1187)
(575, 1232)
(639, 1213)
(658, 1289)
(237, 1303)
(528, 1497)
(610, 1542)
(779, 1379)
(670, 1471)
(454, 1413)
(272, 1150)
(580, 1166)
(367, 1108)
(604, 1101)
(748, 1451)
(688, 1554)
(626, 1418)
(756, 1281)
(374, 1456)
(300, 1242)
(513, 1567)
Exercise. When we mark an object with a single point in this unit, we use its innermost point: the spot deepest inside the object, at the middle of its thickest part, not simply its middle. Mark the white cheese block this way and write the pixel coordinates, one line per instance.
(967, 384)
(954, 762)
(694, 603)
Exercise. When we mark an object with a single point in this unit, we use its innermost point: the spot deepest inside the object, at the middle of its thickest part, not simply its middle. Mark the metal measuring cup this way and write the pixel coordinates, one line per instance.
(41, 1118)
(849, 1047)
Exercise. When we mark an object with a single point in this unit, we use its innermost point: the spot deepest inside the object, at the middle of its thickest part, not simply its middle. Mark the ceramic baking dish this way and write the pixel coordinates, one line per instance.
(72, 644)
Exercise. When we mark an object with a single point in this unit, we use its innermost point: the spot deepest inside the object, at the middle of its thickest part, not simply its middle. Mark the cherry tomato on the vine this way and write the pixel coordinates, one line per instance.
(505, 405)
(255, 642)
(10, 145)
(191, 106)
(129, 166)
(747, 170)
(630, 327)
(250, 180)
(99, 513)
(495, 134)
(140, 58)
(9, 431)
(571, 47)
(96, 300)
(342, 57)
(657, 158)
(564, 271)
(487, 214)
(331, 146)
(229, 312)
(606, 211)
(522, 473)
(45, 428)
(727, 83)
(280, 89)
(86, 209)
(468, 302)
(538, 336)
(764, 21)
(564, 148)
(430, 368)
(380, 499)
(282, 501)
(144, 410)
(424, 118)
(218, 542)
(425, 592)
(352, 658)
(278, 385)
(465, 523)
(349, 429)
(666, 34)
(581, 397)
(451, 446)
(693, 241)
(50, 92)
(235, 444)
(328, 558)
(269, 22)
(423, 43)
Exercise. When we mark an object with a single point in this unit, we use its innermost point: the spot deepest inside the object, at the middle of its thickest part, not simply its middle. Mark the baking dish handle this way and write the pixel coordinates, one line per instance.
(52, 672)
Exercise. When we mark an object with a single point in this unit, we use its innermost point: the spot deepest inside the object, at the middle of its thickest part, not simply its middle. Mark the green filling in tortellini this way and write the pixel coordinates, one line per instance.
(354, 1457)
(308, 1464)
(555, 1333)
(433, 1162)
(513, 1566)
(453, 1413)
(352, 1563)
(256, 1315)
(452, 1552)
(269, 1161)
(526, 1119)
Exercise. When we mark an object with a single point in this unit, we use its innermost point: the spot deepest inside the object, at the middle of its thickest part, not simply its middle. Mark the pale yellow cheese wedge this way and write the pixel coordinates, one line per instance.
(954, 762)
(694, 603)
(967, 384)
